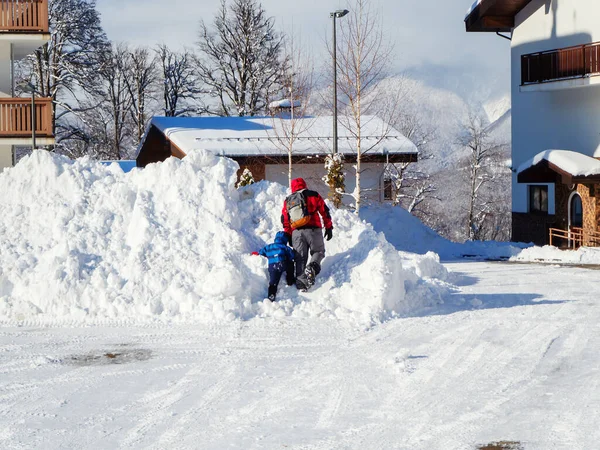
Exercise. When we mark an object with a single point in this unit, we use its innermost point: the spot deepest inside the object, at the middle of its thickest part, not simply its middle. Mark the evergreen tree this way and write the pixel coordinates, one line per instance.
(246, 178)
(335, 178)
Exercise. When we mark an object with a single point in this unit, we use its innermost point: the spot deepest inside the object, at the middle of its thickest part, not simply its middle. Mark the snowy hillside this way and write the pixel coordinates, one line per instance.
(172, 242)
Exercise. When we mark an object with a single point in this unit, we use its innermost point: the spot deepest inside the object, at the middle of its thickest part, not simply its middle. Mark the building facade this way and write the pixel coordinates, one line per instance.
(260, 145)
(555, 73)
(23, 29)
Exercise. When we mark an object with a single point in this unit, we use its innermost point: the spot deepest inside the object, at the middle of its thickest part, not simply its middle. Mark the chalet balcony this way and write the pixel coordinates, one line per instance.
(15, 119)
(23, 16)
(562, 68)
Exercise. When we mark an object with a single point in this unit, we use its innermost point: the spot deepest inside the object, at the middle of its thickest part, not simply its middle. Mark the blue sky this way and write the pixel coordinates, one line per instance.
(423, 32)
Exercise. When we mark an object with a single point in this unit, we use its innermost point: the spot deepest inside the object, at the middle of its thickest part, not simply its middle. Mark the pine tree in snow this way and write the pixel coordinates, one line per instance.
(246, 178)
(335, 178)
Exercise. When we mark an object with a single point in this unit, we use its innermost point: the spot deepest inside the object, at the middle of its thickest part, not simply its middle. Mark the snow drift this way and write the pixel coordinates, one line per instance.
(83, 241)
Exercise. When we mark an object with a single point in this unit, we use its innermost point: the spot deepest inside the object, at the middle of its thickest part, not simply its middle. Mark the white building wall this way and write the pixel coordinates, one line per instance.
(567, 118)
(6, 157)
(371, 178)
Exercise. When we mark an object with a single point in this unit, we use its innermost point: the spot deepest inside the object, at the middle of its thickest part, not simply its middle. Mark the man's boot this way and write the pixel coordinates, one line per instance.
(311, 271)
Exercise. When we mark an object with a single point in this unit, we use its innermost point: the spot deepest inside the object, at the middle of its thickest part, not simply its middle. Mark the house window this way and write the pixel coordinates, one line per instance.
(538, 199)
(388, 191)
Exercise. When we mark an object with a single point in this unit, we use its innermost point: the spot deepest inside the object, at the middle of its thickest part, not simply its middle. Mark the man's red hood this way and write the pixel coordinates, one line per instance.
(298, 184)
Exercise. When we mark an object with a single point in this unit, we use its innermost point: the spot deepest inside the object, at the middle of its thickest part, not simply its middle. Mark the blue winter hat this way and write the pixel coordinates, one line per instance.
(281, 237)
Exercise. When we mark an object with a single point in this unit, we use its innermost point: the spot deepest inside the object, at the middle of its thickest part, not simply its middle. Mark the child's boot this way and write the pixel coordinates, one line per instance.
(272, 292)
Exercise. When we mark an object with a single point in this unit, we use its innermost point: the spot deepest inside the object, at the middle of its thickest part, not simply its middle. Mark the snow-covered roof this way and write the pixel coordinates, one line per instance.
(574, 163)
(473, 6)
(256, 136)
(286, 103)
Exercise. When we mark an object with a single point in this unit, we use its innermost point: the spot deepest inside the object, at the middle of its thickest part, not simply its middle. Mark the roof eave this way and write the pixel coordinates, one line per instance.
(494, 16)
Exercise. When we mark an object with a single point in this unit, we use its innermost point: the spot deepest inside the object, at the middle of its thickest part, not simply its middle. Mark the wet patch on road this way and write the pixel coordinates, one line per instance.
(502, 445)
(121, 356)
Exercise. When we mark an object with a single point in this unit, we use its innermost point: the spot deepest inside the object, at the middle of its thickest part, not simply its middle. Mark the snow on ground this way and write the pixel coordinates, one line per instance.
(87, 242)
(511, 357)
(547, 253)
(391, 349)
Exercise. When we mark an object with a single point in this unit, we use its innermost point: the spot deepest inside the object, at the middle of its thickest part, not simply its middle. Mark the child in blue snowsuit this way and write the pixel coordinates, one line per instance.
(281, 259)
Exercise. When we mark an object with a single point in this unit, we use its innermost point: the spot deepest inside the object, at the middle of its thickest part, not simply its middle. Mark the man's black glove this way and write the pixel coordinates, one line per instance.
(289, 236)
(328, 233)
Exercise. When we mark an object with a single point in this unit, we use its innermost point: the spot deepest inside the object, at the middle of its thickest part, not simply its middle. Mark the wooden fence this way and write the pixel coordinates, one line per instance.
(574, 238)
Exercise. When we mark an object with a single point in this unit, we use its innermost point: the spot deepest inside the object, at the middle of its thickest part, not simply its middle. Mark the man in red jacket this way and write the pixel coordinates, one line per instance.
(301, 221)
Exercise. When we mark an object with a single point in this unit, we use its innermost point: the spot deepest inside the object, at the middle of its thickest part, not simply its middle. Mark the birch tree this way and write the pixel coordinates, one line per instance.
(413, 187)
(362, 61)
(289, 112)
(241, 63)
(483, 168)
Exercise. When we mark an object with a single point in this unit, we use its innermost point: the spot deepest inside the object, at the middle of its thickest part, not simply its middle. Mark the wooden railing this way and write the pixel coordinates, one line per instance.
(561, 64)
(574, 238)
(24, 16)
(15, 117)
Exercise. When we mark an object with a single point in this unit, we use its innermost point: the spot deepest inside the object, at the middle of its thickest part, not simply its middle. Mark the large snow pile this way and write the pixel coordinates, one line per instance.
(84, 242)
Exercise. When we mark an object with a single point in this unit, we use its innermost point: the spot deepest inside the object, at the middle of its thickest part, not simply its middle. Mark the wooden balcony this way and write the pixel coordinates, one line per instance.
(15, 117)
(561, 64)
(23, 16)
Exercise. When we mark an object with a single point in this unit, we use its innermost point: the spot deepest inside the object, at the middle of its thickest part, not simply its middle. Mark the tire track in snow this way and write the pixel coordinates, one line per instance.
(333, 405)
(196, 414)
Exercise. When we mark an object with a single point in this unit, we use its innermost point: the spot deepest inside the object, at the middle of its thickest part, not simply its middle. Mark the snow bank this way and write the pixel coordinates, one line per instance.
(85, 242)
(547, 253)
(408, 234)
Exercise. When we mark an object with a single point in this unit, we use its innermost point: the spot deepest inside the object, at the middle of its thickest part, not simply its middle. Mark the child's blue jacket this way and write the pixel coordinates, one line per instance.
(278, 251)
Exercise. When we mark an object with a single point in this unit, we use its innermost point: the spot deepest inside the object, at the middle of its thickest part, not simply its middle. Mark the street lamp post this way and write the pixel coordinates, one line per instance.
(335, 15)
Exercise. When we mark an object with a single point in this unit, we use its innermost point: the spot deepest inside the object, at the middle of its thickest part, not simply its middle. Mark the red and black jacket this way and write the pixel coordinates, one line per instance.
(315, 204)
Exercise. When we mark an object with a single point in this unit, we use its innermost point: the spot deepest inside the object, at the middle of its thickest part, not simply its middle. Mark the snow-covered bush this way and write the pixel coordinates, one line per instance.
(335, 178)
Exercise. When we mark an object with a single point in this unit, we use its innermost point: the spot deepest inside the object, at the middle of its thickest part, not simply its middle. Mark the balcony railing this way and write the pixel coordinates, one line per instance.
(574, 238)
(15, 117)
(562, 64)
(24, 16)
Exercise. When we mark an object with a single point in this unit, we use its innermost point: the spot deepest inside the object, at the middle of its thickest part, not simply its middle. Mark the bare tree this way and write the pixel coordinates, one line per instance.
(483, 167)
(289, 112)
(179, 79)
(363, 58)
(103, 127)
(117, 99)
(68, 63)
(141, 85)
(413, 187)
(240, 62)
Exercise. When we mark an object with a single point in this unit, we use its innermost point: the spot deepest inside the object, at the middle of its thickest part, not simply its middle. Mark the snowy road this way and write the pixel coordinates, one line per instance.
(512, 357)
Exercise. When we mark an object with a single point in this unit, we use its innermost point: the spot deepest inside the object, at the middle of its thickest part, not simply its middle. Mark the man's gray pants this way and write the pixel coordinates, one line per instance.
(304, 241)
